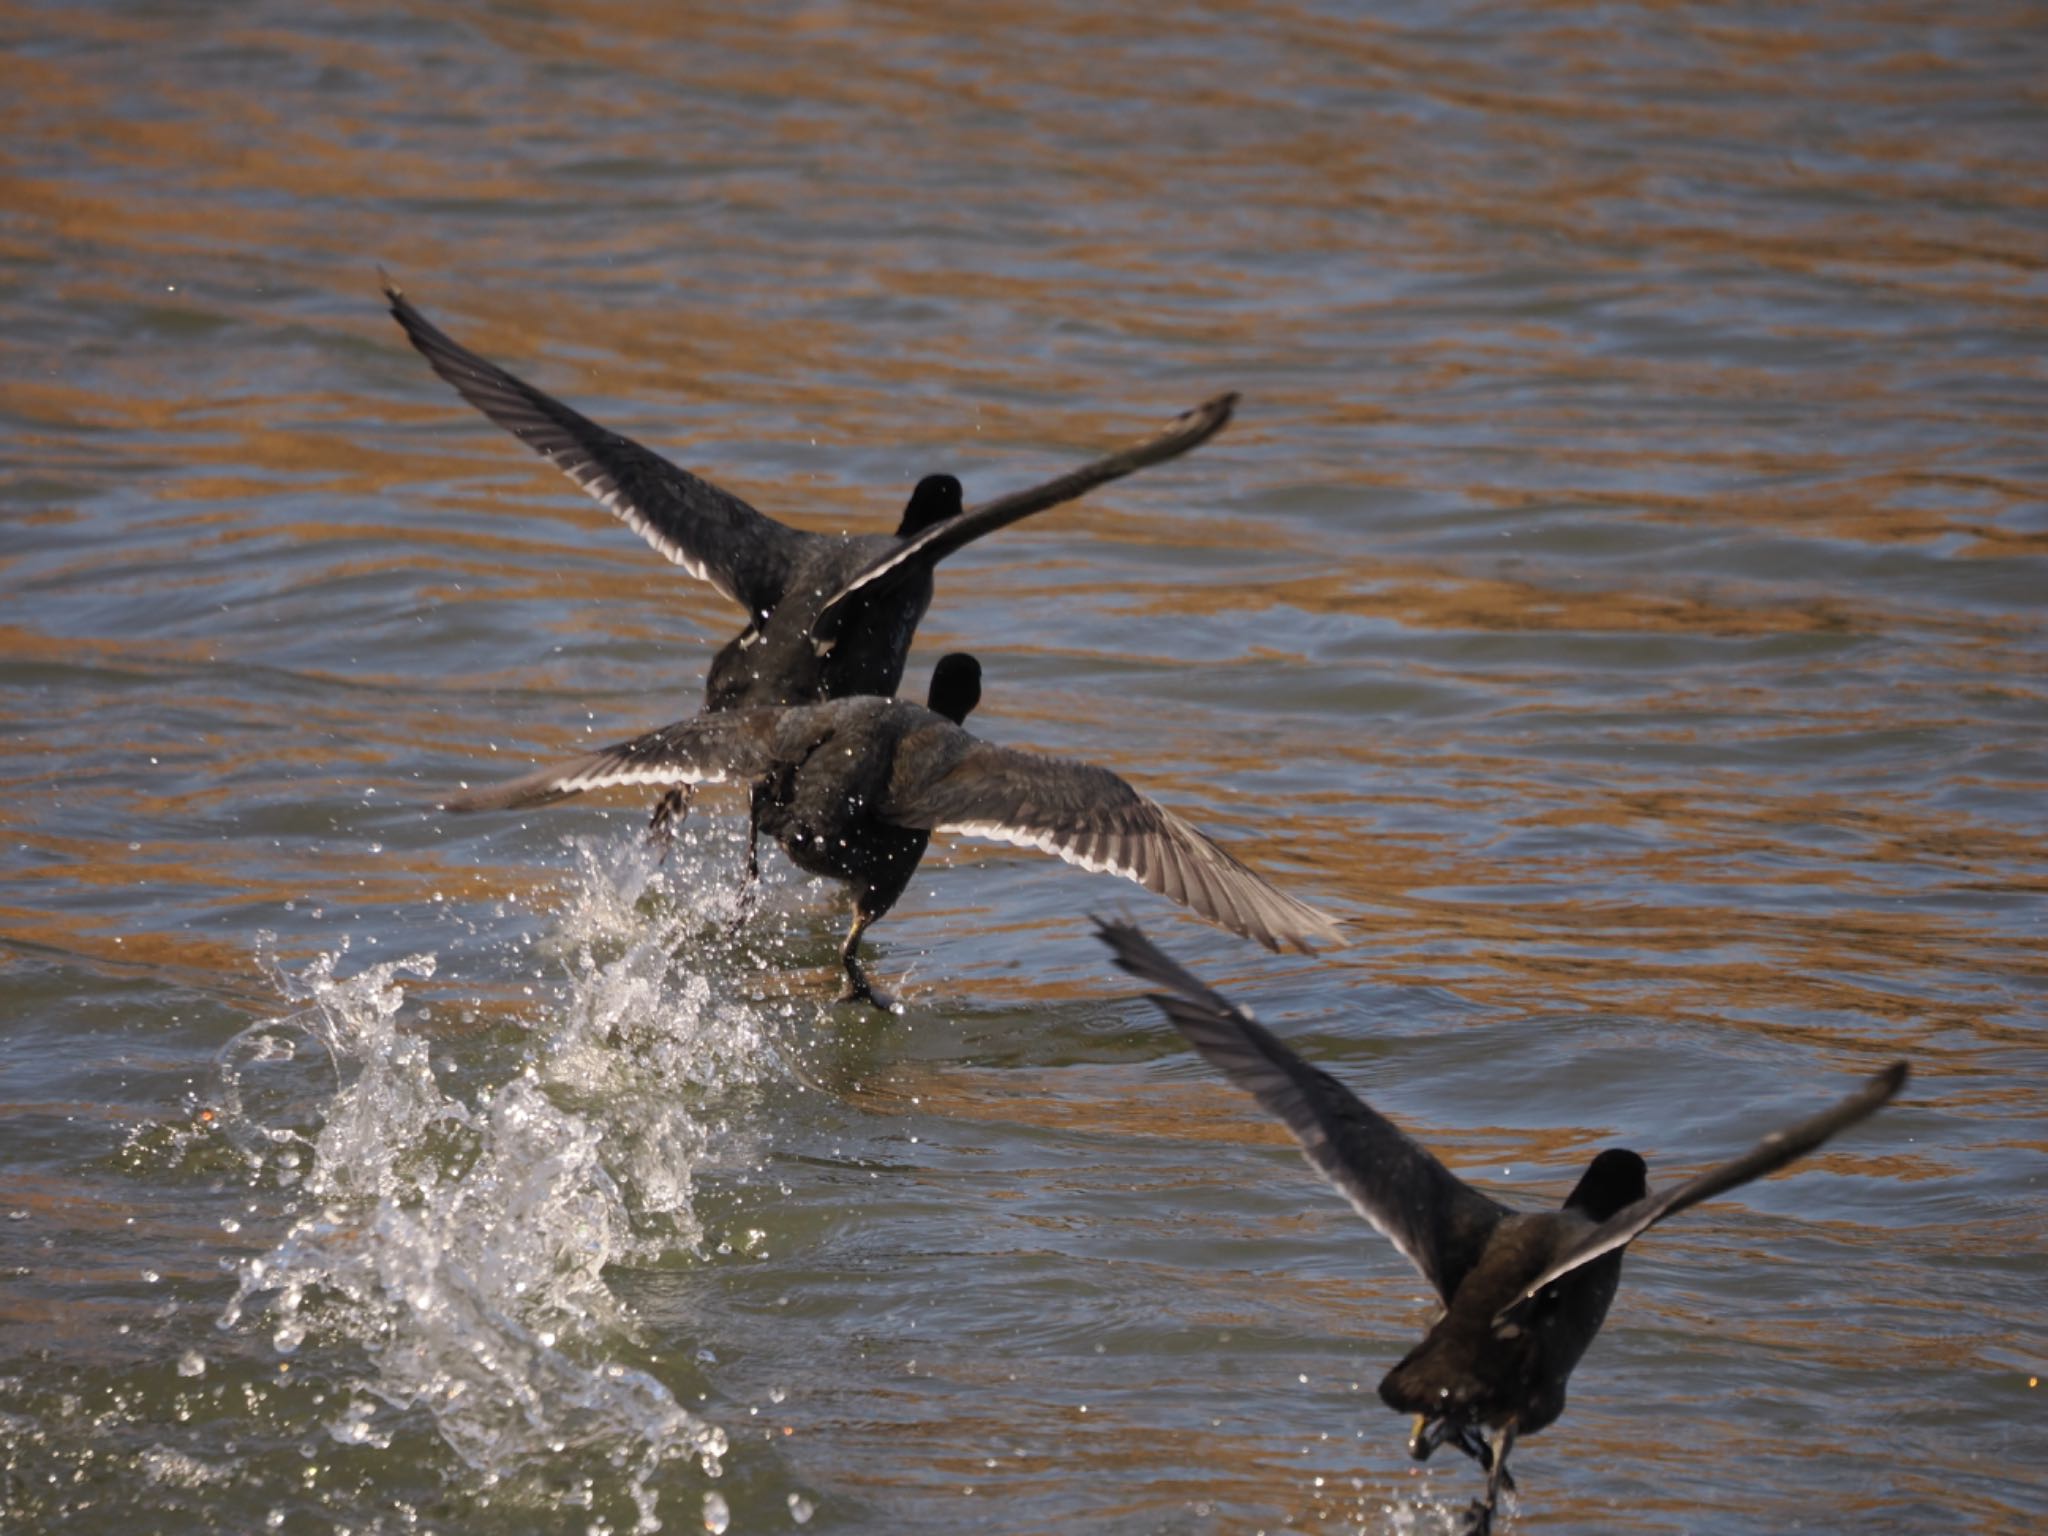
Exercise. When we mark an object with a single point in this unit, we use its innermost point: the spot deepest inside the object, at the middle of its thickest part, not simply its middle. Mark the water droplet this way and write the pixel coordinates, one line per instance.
(800, 1509)
(717, 1515)
(192, 1363)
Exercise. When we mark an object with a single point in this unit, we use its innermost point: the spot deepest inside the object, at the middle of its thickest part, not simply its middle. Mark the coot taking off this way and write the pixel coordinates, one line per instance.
(1523, 1293)
(854, 788)
(828, 615)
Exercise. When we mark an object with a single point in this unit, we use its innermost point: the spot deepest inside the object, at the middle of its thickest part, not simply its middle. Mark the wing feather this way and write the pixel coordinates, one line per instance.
(1438, 1222)
(709, 532)
(1088, 816)
(1767, 1156)
(709, 749)
(1188, 430)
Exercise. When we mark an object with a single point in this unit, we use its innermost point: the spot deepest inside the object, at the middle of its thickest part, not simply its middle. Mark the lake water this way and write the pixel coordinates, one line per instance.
(1620, 596)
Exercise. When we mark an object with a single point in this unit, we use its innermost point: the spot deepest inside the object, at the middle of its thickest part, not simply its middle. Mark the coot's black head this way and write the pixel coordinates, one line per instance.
(936, 498)
(1612, 1181)
(956, 687)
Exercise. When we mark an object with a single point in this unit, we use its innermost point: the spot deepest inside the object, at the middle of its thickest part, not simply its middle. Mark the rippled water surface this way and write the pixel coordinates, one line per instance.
(1620, 596)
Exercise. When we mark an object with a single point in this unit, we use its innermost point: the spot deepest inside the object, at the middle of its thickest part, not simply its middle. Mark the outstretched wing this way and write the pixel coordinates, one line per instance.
(1438, 1221)
(710, 533)
(1767, 1156)
(709, 749)
(1090, 817)
(1188, 430)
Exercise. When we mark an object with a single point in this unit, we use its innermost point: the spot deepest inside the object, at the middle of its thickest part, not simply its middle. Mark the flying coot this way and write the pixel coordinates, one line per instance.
(854, 788)
(1523, 1292)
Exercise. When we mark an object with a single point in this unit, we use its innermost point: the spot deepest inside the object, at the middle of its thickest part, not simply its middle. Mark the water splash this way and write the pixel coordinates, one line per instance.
(460, 1242)
(646, 1045)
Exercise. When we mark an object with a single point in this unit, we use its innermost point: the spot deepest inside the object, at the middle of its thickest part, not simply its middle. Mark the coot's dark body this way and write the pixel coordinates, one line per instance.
(829, 615)
(1524, 1293)
(854, 788)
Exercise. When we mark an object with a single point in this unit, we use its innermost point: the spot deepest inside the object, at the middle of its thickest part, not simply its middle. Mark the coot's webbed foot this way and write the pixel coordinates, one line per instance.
(859, 989)
(1429, 1433)
(1473, 1444)
(670, 811)
(1479, 1517)
(1426, 1434)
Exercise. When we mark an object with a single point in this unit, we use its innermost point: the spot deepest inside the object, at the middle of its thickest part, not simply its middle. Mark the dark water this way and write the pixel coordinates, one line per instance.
(1620, 595)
